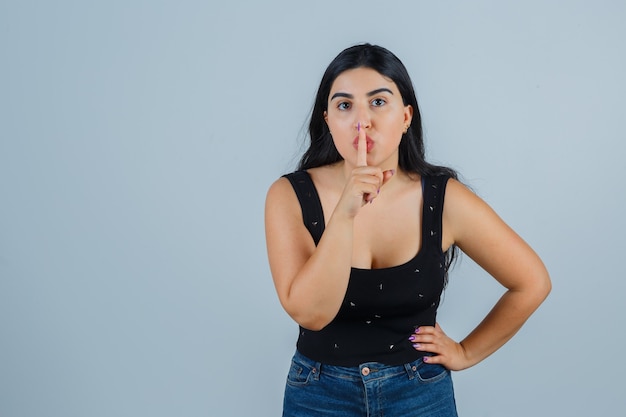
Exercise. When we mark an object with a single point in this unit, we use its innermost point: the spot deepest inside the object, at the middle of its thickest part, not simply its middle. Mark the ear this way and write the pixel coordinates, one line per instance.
(408, 114)
(326, 116)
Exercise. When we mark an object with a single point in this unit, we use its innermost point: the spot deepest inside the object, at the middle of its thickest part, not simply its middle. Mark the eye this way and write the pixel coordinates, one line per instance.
(344, 105)
(377, 102)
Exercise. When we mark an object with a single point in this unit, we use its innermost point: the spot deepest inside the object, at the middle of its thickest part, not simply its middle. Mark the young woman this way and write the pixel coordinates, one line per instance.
(360, 240)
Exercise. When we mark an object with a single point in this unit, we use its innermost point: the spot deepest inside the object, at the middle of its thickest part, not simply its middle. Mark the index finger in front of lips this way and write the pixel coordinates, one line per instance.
(361, 150)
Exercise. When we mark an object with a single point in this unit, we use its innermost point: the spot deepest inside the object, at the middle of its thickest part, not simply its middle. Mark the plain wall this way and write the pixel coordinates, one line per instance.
(138, 140)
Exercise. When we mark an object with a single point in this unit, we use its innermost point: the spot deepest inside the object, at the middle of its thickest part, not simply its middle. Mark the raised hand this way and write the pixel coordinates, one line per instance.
(365, 182)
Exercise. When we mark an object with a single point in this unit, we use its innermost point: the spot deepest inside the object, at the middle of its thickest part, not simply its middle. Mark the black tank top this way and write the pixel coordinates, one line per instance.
(382, 307)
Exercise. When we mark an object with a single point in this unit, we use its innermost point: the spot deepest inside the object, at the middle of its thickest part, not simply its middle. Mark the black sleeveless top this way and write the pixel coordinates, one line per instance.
(382, 307)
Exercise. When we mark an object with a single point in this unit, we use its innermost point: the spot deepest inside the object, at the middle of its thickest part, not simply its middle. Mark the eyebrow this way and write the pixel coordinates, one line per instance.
(371, 93)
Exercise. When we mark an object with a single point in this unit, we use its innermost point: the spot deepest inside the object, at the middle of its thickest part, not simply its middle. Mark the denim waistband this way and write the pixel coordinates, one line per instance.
(367, 371)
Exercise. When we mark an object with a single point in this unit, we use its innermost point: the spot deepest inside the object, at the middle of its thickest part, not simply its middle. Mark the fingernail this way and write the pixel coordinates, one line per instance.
(412, 338)
(425, 359)
(417, 345)
(417, 330)
(358, 127)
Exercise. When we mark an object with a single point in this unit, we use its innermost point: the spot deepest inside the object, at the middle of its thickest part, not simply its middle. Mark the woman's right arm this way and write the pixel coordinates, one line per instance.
(310, 281)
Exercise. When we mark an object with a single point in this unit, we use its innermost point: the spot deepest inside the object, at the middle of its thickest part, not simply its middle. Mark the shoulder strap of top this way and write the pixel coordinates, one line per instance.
(433, 191)
(312, 212)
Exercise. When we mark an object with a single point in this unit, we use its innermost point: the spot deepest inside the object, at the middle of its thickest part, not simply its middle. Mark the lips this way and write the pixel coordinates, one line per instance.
(368, 141)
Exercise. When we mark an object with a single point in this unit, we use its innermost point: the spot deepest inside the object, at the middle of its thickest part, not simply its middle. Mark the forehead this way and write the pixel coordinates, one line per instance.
(361, 80)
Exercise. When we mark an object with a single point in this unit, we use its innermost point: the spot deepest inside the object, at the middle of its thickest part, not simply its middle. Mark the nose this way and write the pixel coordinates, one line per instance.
(363, 118)
(362, 123)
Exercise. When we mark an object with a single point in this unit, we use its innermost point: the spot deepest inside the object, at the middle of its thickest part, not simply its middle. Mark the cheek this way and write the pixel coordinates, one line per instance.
(396, 128)
(343, 145)
(343, 142)
(338, 124)
(341, 131)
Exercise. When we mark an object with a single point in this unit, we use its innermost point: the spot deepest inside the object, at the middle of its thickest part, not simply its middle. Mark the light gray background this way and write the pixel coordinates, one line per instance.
(138, 139)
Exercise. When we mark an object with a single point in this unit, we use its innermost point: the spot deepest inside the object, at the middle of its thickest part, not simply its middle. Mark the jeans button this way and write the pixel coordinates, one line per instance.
(365, 371)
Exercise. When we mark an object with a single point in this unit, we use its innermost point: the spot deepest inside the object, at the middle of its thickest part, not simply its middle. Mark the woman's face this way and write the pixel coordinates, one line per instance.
(363, 96)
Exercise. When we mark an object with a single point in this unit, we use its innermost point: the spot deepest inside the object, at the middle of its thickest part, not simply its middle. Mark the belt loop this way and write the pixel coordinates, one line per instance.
(411, 369)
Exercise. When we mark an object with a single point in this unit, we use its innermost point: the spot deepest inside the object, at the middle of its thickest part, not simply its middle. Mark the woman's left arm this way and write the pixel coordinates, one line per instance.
(478, 231)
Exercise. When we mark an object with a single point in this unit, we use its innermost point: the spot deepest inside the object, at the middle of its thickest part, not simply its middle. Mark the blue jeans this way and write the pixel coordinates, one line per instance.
(368, 390)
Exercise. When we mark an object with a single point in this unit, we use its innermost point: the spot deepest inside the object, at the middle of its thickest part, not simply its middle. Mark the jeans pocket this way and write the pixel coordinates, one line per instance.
(298, 374)
(431, 372)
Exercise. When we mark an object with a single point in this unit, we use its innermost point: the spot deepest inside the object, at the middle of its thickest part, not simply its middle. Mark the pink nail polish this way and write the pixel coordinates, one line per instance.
(412, 338)
(425, 359)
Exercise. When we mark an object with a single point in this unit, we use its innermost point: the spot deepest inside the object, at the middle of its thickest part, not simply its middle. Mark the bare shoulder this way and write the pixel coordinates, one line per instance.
(460, 203)
(281, 204)
(280, 190)
(457, 194)
(468, 218)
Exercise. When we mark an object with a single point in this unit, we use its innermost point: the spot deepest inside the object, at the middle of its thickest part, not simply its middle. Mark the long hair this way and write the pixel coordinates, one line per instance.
(411, 159)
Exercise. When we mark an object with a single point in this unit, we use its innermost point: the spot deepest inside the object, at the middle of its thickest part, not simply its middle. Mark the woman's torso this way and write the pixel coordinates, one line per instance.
(397, 274)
